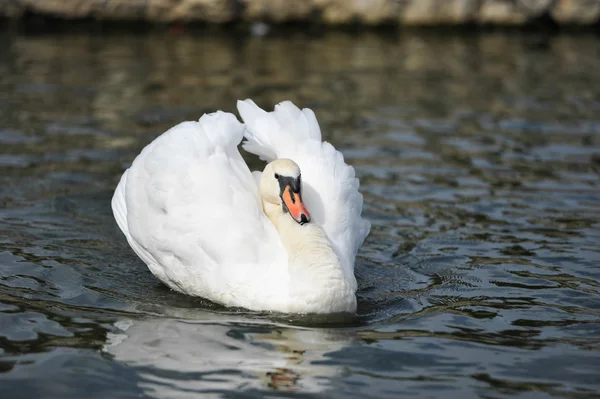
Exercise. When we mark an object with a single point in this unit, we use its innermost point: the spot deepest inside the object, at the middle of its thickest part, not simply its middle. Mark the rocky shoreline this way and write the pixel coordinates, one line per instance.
(331, 12)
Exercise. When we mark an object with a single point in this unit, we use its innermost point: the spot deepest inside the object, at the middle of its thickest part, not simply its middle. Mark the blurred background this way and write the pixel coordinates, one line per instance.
(473, 126)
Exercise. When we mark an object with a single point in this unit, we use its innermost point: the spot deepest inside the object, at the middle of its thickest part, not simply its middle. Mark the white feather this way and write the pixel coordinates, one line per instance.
(190, 209)
(330, 188)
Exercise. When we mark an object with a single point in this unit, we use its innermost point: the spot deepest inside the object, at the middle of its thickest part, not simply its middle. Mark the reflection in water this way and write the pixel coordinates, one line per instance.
(179, 358)
(479, 162)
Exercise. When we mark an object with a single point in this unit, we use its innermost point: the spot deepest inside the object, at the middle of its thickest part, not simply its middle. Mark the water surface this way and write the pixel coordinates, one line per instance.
(479, 158)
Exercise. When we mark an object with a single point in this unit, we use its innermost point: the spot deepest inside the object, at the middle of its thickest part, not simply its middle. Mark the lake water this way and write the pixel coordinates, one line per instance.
(479, 160)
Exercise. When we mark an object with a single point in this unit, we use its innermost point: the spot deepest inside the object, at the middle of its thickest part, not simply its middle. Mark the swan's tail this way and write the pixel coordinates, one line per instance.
(277, 134)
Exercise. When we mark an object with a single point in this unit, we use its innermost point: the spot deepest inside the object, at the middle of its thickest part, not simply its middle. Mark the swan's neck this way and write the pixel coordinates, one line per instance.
(315, 272)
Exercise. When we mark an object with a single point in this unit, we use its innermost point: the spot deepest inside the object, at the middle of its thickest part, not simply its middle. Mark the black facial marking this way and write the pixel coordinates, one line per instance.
(294, 183)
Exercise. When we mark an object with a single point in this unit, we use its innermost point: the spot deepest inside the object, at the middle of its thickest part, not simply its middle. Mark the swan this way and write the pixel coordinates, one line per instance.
(284, 239)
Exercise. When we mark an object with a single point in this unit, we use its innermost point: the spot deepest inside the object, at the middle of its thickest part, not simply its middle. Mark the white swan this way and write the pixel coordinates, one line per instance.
(278, 241)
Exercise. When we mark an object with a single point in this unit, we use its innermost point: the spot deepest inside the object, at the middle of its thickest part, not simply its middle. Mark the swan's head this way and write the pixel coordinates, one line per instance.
(281, 184)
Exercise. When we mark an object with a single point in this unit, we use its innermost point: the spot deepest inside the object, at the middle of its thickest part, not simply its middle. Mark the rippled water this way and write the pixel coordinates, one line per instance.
(479, 157)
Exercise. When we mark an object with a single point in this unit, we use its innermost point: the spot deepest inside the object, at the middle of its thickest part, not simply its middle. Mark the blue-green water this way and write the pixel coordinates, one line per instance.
(479, 158)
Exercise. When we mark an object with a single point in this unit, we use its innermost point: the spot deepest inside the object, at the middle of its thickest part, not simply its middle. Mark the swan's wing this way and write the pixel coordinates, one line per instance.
(190, 209)
(330, 188)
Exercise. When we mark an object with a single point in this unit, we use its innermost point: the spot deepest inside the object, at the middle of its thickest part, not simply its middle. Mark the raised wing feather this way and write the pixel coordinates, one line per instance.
(190, 208)
(330, 188)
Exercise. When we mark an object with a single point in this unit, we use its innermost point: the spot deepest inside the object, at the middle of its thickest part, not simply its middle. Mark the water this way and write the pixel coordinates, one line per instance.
(479, 157)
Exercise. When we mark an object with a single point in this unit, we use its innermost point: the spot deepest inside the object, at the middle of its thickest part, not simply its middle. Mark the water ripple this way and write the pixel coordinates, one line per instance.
(479, 163)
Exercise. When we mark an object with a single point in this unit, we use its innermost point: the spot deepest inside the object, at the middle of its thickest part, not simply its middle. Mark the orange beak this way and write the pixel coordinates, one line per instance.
(295, 206)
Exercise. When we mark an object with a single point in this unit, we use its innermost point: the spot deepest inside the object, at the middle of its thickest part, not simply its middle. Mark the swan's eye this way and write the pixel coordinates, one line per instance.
(276, 176)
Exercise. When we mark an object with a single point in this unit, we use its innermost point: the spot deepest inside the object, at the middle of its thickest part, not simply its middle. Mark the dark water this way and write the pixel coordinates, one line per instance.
(479, 157)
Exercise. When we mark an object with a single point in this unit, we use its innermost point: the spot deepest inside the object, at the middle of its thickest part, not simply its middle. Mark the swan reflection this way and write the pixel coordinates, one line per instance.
(181, 358)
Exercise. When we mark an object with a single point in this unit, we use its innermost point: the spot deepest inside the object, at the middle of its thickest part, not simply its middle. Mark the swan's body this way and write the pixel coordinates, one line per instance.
(205, 226)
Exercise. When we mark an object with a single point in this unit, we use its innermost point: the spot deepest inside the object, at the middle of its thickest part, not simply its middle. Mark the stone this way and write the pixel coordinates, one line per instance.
(67, 9)
(371, 12)
(277, 10)
(377, 11)
(461, 11)
(501, 12)
(337, 11)
(534, 8)
(433, 12)
(364, 11)
(118, 9)
(161, 10)
(218, 11)
(580, 12)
